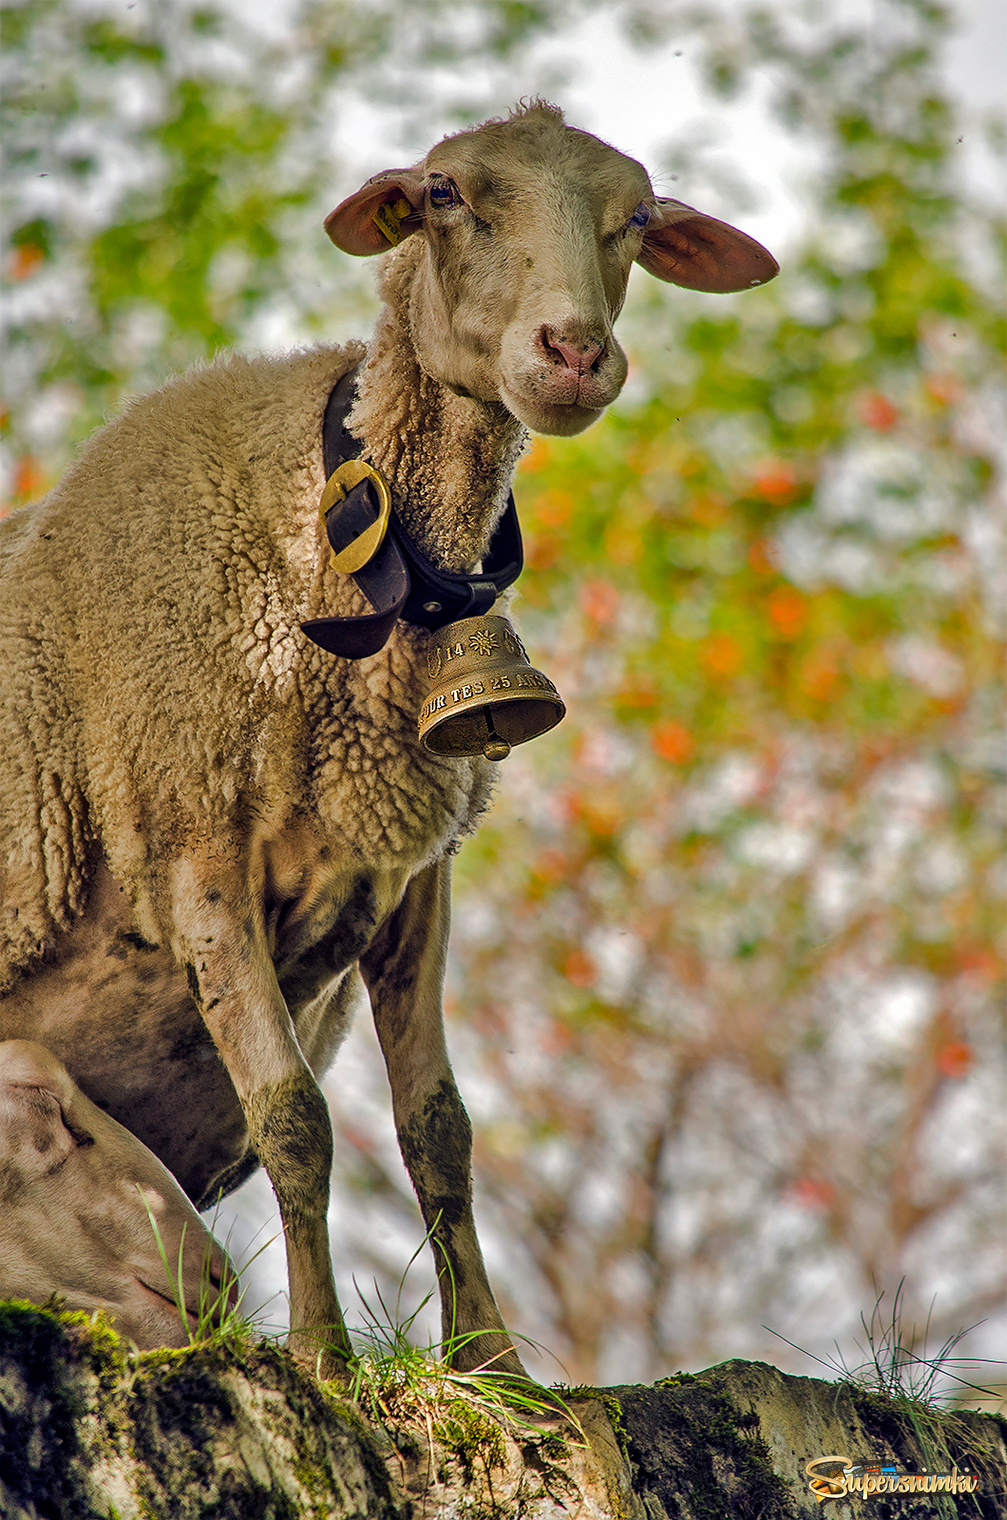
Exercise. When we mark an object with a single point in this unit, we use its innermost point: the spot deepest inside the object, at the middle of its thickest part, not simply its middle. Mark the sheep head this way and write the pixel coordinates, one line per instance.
(531, 228)
(75, 1188)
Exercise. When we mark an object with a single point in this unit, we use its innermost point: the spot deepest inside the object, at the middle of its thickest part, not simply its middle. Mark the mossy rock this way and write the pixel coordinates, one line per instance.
(90, 1430)
(733, 1442)
(699, 1454)
(200, 1434)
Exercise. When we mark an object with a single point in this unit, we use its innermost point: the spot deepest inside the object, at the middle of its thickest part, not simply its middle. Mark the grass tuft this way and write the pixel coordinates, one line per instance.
(891, 1368)
(397, 1382)
(216, 1317)
(917, 1388)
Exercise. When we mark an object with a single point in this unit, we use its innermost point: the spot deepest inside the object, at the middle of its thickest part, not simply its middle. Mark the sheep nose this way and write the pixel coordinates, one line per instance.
(577, 357)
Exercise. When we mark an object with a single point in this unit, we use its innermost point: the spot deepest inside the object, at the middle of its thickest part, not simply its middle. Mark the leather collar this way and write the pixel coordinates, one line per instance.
(400, 580)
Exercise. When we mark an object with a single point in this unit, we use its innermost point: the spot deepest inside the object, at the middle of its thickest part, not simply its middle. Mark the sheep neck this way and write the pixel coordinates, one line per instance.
(449, 459)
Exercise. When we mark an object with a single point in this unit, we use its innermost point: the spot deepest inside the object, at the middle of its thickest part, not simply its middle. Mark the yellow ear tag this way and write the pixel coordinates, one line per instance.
(340, 483)
(388, 217)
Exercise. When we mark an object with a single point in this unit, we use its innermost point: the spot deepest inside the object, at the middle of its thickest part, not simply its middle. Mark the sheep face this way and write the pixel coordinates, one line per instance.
(530, 243)
(530, 230)
(74, 1192)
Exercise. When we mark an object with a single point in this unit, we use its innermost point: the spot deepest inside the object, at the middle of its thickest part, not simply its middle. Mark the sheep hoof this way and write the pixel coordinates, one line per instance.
(322, 1354)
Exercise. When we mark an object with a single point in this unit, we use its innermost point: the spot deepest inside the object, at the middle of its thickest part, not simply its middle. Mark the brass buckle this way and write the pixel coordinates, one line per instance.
(340, 483)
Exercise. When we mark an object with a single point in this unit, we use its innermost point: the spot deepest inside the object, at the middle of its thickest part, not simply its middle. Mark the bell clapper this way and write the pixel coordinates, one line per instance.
(495, 747)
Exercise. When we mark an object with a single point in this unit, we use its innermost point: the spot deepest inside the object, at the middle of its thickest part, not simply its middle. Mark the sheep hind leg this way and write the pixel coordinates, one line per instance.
(404, 971)
(436, 1145)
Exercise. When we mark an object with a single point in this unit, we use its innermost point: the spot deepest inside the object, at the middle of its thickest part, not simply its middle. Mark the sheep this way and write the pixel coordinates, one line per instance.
(75, 1190)
(216, 832)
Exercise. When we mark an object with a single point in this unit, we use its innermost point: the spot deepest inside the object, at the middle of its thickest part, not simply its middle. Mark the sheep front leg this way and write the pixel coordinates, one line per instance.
(404, 973)
(233, 983)
(291, 1132)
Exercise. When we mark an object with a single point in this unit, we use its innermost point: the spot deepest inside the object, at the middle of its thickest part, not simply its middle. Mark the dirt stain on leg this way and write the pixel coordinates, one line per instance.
(292, 1135)
(436, 1146)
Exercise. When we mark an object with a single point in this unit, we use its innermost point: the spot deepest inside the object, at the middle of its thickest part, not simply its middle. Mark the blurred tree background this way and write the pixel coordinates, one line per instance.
(727, 980)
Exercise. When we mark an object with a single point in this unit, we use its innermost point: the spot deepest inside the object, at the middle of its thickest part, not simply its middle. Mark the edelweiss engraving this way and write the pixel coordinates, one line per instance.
(483, 642)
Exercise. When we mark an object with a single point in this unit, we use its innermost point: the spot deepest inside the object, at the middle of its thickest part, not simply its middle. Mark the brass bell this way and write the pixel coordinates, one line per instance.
(484, 695)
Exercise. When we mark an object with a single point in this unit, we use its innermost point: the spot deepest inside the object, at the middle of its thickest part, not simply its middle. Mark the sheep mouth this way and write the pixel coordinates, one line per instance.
(172, 1302)
(546, 415)
(549, 400)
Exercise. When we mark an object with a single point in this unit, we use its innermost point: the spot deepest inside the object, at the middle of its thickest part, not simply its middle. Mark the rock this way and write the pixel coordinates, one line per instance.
(736, 1440)
(92, 1431)
(210, 1431)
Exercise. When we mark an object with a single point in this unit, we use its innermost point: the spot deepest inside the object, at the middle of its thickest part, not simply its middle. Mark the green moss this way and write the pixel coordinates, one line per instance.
(554, 1445)
(56, 1351)
(99, 1346)
(614, 1411)
(335, 1394)
(301, 1421)
(164, 1417)
(176, 1409)
(164, 1356)
(677, 1380)
(183, 1412)
(693, 1446)
(470, 1435)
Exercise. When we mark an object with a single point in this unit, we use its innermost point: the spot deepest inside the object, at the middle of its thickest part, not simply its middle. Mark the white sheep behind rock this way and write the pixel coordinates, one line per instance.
(78, 1194)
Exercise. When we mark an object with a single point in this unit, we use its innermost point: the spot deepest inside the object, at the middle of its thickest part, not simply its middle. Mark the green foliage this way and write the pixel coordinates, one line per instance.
(156, 237)
(772, 812)
(215, 1318)
(167, 169)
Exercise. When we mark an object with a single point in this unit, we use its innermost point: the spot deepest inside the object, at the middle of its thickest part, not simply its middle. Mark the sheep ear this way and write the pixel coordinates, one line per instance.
(686, 248)
(34, 1137)
(381, 213)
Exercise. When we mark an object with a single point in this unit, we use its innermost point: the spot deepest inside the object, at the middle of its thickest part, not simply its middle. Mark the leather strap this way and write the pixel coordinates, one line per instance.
(338, 443)
(400, 581)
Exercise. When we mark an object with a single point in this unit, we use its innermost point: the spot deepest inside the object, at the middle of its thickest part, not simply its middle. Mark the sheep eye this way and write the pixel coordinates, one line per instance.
(639, 219)
(443, 192)
(80, 1137)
